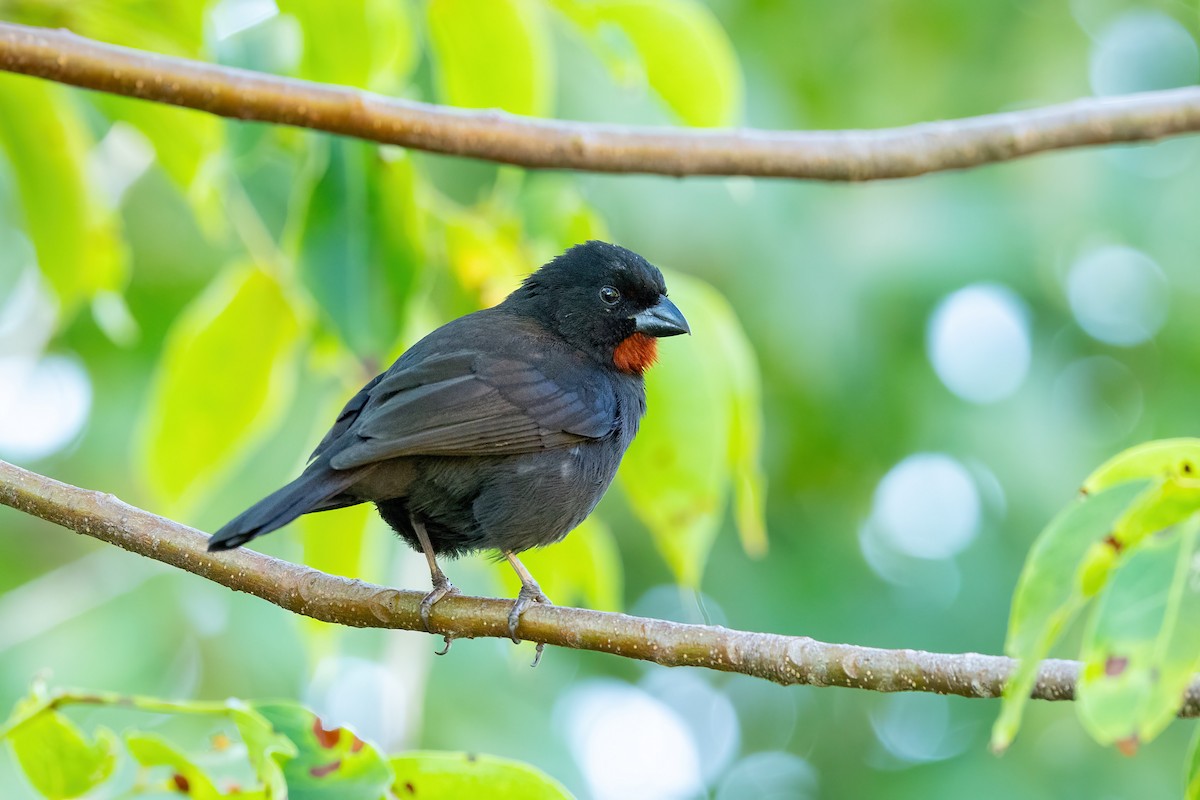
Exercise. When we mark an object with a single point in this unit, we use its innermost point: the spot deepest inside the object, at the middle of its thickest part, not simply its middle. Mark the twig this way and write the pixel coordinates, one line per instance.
(782, 659)
(494, 136)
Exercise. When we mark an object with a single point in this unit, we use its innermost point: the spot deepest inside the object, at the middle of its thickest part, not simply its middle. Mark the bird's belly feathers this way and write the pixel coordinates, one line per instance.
(504, 502)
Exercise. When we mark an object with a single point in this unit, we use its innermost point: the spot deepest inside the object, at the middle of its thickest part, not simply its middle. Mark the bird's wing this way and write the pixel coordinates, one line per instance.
(466, 404)
(347, 416)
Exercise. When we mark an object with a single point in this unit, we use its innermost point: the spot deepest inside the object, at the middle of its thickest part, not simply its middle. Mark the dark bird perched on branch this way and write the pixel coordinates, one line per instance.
(500, 430)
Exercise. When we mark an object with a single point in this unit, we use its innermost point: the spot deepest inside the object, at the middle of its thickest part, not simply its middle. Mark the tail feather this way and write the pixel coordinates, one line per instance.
(317, 489)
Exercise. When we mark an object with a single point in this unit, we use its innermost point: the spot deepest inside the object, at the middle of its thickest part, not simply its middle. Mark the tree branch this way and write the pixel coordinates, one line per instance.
(783, 659)
(494, 136)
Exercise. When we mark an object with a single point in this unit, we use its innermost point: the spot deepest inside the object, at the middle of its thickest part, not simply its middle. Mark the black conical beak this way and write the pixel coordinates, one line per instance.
(661, 319)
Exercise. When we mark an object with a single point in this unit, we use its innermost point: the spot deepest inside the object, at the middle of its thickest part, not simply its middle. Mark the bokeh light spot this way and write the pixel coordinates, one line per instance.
(771, 775)
(1141, 51)
(1118, 295)
(44, 404)
(927, 506)
(628, 744)
(979, 342)
(916, 728)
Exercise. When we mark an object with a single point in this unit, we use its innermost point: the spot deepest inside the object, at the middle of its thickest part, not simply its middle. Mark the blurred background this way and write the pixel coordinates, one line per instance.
(919, 373)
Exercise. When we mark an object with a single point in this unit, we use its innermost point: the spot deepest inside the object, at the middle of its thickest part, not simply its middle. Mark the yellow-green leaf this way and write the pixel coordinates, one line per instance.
(187, 145)
(1142, 645)
(1050, 594)
(432, 775)
(58, 759)
(76, 236)
(226, 367)
(687, 58)
(1161, 459)
(699, 437)
(151, 750)
(492, 54)
(364, 43)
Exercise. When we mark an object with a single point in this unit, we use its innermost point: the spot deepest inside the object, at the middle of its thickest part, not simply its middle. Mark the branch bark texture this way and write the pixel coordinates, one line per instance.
(549, 144)
(781, 659)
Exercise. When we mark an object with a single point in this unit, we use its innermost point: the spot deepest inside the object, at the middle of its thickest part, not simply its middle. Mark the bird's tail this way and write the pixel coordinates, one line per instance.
(319, 488)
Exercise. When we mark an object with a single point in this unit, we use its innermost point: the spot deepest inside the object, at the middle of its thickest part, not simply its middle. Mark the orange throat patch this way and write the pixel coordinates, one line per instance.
(636, 354)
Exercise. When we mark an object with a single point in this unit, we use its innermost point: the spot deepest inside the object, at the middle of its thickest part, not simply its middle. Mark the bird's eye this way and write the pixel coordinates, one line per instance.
(609, 295)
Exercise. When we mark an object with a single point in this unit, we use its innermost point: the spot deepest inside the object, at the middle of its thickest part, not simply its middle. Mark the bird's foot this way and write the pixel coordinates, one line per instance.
(530, 593)
(441, 587)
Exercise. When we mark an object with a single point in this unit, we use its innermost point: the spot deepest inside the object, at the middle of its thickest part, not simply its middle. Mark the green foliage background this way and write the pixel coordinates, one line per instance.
(231, 297)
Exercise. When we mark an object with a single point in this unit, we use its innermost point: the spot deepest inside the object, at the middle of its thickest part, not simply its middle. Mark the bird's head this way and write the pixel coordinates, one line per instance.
(605, 300)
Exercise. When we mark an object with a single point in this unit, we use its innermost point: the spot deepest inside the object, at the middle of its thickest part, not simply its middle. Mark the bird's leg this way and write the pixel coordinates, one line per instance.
(530, 593)
(441, 584)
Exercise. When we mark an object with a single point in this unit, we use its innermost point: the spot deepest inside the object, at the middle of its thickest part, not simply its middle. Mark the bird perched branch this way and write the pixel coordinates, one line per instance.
(500, 430)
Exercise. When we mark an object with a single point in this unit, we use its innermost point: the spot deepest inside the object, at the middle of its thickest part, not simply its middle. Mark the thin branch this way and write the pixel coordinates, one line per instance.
(783, 659)
(548, 144)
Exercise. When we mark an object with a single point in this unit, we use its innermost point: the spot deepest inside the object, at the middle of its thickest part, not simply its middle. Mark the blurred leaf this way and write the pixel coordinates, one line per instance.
(175, 27)
(225, 369)
(266, 749)
(333, 540)
(151, 750)
(1156, 509)
(76, 236)
(427, 775)
(687, 57)
(56, 757)
(362, 242)
(365, 43)
(1047, 597)
(333, 763)
(493, 54)
(1161, 459)
(584, 567)
(746, 435)
(186, 144)
(699, 437)
(486, 258)
(1191, 776)
(555, 216)
(1142, 646)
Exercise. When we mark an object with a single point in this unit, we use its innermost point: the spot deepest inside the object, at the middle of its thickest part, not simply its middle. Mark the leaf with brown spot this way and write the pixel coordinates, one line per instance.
(1142, 644)
(1114, 666)
(332, 763)
(325, 769)
(450, 776)
(326, 737)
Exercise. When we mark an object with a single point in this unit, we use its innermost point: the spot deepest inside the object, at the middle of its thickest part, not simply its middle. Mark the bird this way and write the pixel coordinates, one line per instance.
(500, 430)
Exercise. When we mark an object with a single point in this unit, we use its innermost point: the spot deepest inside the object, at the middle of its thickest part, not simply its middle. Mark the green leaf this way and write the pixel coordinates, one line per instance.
(1050, 593)
(151, 750)
(165, 26)
(492, 54)
(1192, 776)
(76, 237)
(1162, 459)
(57, 758)
(267, 749)
(365, 43)
(333, 764)
(486, 258)
(361, 247)
(186, 143)
(1142, 645)
(687, 58)
(700, 436)
(584, 567)
(426, 775)
(226, 368)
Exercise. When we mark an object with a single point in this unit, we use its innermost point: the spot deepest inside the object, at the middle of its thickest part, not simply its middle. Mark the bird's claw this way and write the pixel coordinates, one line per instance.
(530, 593)
(448, 641)
(441, 588)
